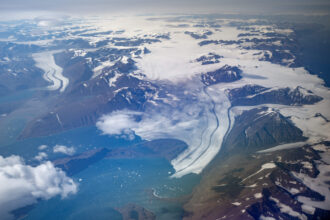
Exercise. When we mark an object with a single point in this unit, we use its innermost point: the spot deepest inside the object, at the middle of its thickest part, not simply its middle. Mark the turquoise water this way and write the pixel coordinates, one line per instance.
(113, 183)
(103, 186)
(109, 183)
(18, 96)
(82, 139)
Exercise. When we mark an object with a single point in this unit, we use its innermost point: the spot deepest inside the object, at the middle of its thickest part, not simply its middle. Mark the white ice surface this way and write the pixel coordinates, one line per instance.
(283, 146)
(173, 61)
(318, 184)
(288, 210)
(52, 72)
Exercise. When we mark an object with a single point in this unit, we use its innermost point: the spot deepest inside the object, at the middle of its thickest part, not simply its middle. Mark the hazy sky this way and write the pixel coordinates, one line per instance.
(176, 6)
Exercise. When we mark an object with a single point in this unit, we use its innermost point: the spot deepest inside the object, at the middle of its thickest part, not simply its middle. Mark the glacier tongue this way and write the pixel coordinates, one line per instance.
(201, 152)
(52, 72)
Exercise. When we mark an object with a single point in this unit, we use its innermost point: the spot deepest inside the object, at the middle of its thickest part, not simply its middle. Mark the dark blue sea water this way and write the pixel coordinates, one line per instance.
(82, 139)
(315, 50)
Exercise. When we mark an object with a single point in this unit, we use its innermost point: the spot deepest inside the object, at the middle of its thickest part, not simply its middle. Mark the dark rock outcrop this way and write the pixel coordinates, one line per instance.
(165, 148)
(84, 104)
(162, 148)
(135, 212)
(210, 58)
(75, 164)
(225, 74)
(250, 95)
(199, 35)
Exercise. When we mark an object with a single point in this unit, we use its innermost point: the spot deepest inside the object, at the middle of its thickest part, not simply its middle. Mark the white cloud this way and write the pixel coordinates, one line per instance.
(203, 122)
(41, 156)
(119, 123)
(23, 185)
(64, 149)
(194, 122)
(43, 147)
(150, 126)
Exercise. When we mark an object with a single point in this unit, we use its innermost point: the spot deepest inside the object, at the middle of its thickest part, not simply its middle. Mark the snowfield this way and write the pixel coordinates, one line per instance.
(204, 123)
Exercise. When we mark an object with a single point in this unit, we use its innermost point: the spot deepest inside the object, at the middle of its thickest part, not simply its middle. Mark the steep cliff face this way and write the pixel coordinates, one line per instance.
(260, 128)
(17, 68)
(135, 212)
(87, 101)
(255, 95)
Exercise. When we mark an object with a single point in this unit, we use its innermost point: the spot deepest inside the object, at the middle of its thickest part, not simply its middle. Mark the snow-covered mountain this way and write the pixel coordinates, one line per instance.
(225, 90)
